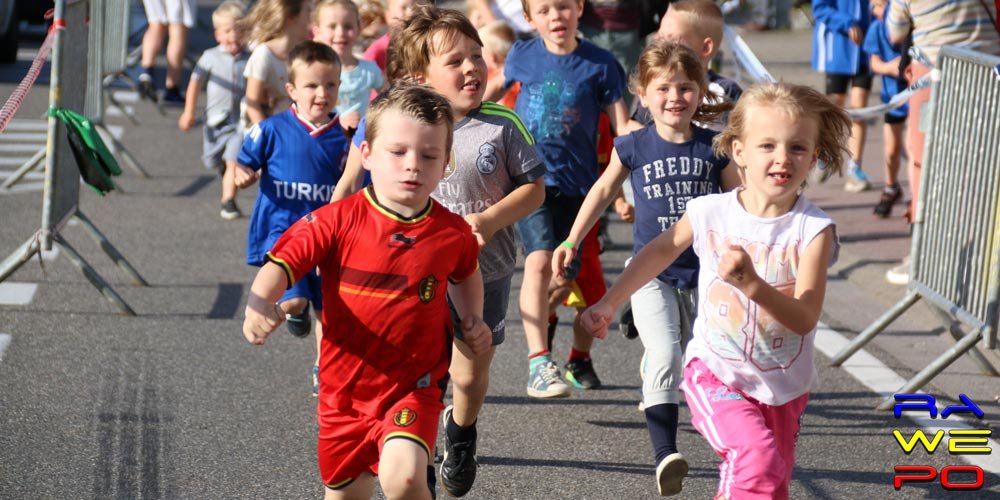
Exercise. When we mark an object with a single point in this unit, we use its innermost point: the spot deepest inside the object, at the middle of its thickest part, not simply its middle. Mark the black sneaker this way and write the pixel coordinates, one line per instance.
(580, 373)
(626, 326)
(229, 210)
(553, 323)
(458, 466)
(172, 97)
(300, 324)
(890, 195)
(146, 88)
(432, 481)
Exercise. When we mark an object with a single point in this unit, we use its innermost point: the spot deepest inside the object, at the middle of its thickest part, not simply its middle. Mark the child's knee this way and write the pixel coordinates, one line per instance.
(403, 469)
(403, 484)
(539, 264)
(294, 306)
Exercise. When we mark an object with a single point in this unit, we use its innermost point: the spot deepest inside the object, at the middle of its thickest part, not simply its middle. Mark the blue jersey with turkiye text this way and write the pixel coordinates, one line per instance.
(560, 100)
(665, 176)
(299, 166)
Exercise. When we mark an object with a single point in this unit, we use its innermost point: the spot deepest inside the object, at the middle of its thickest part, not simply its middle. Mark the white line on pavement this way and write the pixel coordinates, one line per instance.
(4, 342)
(885, 382)
(13, 293)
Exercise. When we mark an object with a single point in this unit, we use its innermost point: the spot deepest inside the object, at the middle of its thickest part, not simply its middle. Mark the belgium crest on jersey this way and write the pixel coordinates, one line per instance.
(450, 167)
(427, 288)
(404, 417)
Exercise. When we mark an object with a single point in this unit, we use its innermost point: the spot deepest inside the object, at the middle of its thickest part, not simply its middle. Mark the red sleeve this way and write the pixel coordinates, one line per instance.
(301, 248)
(468, 260)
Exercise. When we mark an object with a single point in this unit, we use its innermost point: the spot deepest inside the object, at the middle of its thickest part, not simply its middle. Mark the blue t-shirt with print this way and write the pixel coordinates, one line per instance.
(299, 167)
(877, 44)
(664, 177)
(560, 100)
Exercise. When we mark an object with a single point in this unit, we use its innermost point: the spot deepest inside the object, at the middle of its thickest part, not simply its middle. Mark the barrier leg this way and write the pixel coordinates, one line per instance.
(114, 102)
(110, 249)
(33, 163)
(956, 331)
(92, 276)
(875, 328)
(117, 148)
(937, 366)
(17, 259)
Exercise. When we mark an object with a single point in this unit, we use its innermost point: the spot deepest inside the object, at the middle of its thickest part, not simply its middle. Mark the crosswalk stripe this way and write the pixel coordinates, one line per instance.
(22, 125)
(19, 148)
(24, 137)
(13, 293)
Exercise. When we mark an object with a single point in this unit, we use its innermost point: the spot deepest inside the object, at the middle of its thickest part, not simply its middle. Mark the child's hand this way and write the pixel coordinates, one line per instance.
(482, 227)
(244, 177)
(261, 319)
(736, 268)
(350, 120)
(476, 334)
(186, 121)
(562, 257)
(625, 210)
(595, 319)
(856, 35)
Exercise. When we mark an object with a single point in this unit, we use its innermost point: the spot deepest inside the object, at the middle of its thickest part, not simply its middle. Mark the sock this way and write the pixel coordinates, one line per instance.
(539, 357)
(459, 434)
(661, 421)
(146, 75)
(854, 165)
(892, 188)
(575, 355)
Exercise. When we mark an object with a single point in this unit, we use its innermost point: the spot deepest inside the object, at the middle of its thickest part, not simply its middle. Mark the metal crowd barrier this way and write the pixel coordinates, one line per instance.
(955, 255)
(61, 196)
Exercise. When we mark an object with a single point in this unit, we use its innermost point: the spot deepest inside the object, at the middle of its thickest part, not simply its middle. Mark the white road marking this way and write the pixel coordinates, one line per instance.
(878, 377)
(4, 342)
(13, 293)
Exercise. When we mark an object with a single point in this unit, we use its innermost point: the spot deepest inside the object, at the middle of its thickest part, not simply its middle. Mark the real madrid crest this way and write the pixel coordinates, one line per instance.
(404, 417)
(487, 160)
(427, 288)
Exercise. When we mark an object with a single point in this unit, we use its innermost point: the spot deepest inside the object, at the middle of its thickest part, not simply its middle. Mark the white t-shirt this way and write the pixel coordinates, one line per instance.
(263, 65)
(737, 340)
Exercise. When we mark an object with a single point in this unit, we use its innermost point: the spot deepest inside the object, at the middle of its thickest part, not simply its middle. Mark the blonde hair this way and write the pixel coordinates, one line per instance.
(370, 11)
(497, 38)
(309, 52)
(416, 40)
(799, 101)
(411, 100)
(230, 9)
(347, 5)
(267, 19)
(704, 16)
(664, 58)
(526, 7)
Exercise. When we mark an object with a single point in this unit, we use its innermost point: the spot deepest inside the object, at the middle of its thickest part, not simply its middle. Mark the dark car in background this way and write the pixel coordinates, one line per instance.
(12, 13)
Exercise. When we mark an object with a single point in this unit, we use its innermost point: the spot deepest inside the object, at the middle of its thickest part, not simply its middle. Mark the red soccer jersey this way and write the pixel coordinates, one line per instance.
(387, 329)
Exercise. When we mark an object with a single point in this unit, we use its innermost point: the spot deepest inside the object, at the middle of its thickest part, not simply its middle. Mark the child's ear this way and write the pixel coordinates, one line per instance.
(737, 147)
(418, 78)
(290, 89)
(708, 48)
(366, 152)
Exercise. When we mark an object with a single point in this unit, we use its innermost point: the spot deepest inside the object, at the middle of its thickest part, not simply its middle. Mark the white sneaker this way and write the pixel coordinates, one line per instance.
(670, 473)
(856, 181)
(899, 275)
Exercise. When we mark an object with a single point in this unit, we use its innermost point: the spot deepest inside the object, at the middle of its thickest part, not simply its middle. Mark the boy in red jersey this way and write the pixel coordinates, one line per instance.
(385, 352)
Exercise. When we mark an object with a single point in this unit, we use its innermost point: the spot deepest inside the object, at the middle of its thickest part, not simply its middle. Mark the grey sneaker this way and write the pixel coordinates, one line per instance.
(545, 381)
(670, 474)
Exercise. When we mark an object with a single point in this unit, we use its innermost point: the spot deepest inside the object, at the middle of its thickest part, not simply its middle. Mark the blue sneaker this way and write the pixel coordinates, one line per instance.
(544, 379)
(856, 181)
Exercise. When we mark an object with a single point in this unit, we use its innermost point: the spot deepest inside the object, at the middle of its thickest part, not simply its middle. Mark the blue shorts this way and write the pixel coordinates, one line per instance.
(546, 227)
(308, 287)
(495, 297)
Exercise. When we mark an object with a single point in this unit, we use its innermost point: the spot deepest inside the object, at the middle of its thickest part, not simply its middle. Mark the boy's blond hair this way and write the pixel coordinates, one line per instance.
(417, 39)
(703, 16)
(411, 100)
(664, 58)
(833, 126)
(309, 52)
(232, 10)
(266, 20)
(348, 5)
(527, 7)
(497, 37)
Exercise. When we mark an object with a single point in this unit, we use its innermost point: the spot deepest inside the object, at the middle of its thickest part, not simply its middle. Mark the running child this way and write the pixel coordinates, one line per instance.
(668, 164)
(220, 69)
(388, 329)
(276, 26)
(337, 24)
(565, 83)
(749, 368)
(298, 156)
(884, 59)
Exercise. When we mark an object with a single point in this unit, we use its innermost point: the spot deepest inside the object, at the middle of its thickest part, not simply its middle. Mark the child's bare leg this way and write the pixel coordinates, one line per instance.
(582, 341)
(294, 306)
(152, 42)
(359, 489)
(534, 299)
(893, 140)
(176, 48)
(838, 99)
(470, 378)
(402, 470)
(856, 144)
(229, 181)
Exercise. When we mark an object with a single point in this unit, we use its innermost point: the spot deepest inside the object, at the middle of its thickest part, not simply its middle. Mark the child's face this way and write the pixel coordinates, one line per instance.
(227, 35)
(776, 152)
(672, 99)
(878, 9)
(556, 22)
(458, 72)
(406, 160)
(398, 11)
(337, 27)
(314, 90)
(678, 28)
(297, 28)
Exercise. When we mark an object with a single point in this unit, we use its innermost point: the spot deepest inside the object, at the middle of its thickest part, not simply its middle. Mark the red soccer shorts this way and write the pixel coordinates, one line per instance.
(351, 443)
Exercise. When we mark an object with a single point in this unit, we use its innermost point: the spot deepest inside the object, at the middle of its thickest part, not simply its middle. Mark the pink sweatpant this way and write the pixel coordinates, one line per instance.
(756, 441)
